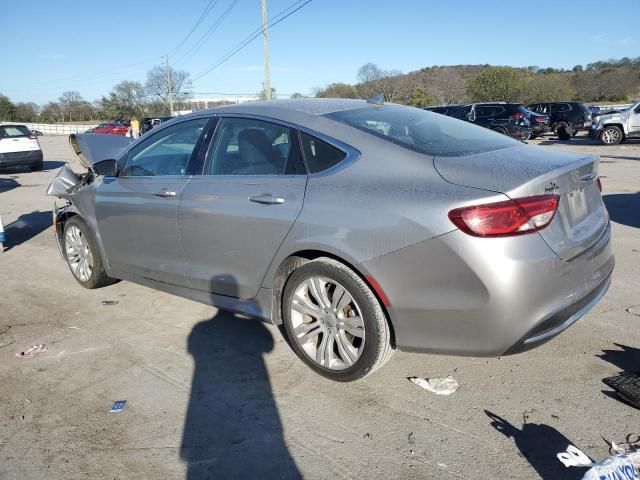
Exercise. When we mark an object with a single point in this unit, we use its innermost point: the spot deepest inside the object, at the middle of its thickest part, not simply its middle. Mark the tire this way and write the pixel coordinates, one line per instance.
(611, 135)
(500, 130)
(563, 131)
(38, 168)
(354, 349)
(82, 256)
(533, 136)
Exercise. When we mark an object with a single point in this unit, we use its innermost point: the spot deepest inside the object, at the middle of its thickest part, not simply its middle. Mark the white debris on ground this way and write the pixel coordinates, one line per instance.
(32, 352)
(622, 466)
(439, 386)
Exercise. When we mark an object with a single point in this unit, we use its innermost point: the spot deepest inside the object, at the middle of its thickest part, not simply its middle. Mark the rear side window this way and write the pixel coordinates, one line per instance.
(560, 107)
(14, 131)
(319, 154)
(422, 131)
(244, 146)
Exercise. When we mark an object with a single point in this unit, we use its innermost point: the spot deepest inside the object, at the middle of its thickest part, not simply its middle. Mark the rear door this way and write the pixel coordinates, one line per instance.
(234, 217)
(137, 211)
(634, 121)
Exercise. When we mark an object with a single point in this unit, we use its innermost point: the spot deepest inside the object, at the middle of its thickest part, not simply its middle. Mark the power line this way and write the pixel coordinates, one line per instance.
(203, 15)
(198, 45)
(255, 34)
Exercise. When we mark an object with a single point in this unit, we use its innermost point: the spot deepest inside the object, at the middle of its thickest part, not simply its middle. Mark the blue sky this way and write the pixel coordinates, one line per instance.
(90, 46)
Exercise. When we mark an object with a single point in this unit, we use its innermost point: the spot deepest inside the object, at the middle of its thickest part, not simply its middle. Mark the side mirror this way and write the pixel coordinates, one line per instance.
(107, 168)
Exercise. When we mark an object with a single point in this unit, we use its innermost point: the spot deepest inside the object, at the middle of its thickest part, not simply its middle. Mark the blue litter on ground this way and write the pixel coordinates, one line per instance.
(118, 406)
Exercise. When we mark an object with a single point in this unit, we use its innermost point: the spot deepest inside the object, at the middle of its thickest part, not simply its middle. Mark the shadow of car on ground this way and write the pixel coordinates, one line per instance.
(624, 208)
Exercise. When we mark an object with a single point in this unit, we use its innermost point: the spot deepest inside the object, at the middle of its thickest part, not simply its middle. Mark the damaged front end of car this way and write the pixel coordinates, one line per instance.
(77, 190)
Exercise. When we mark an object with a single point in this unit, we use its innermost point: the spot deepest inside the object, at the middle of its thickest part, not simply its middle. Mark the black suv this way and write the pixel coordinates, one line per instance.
(567, 118)
(444, 109)
(508, 118)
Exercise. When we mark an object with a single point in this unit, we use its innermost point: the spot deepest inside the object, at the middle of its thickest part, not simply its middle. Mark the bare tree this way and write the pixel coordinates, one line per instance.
(159, 79)
(131, 95)
(72, 103)
(369, 72)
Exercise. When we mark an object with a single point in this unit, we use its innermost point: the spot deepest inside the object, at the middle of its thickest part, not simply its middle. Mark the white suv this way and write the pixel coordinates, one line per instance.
(19, 147)
(614, 128)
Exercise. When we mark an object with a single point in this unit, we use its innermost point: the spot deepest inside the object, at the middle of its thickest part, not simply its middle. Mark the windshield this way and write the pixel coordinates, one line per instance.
(423, 131)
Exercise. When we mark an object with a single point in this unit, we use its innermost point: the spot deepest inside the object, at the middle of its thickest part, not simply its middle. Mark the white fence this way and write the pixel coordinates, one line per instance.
(57, 129)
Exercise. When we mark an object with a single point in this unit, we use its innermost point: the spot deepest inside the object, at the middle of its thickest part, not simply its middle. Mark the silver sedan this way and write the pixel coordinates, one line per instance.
(361, 227)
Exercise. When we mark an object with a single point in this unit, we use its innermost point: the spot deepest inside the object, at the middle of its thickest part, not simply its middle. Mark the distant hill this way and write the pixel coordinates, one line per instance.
(604, 81)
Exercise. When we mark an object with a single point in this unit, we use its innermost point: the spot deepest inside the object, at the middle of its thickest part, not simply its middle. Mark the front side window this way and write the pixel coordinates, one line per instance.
(244, 146)
(423, 131)
(165, 153)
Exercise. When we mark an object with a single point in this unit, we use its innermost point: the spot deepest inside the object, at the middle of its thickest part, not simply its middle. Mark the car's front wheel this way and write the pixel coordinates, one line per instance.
(82, 256)
(611, 135)
(334, 322)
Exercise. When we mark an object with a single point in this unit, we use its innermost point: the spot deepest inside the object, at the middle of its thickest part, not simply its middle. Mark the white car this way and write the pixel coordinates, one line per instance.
(614, 128)
(19, 147)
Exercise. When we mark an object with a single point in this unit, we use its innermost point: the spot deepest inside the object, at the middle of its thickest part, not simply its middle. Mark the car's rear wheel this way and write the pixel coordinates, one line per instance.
(500, 130)
(82, 256)
(334, 322)
(563, 131)
(611, 135)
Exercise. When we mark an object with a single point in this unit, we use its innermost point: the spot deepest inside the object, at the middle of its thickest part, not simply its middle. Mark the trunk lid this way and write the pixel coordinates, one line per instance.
(522, 171)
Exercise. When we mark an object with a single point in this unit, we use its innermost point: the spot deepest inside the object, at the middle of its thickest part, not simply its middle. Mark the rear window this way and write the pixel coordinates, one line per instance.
(423, 131)
(14, 131)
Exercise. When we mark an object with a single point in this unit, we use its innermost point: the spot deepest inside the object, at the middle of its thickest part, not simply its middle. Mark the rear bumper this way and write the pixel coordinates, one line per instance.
(31, 158)
(456, 294)
(540, 128)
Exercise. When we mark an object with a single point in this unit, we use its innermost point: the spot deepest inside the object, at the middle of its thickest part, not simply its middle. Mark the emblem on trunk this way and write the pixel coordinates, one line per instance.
(553, 186)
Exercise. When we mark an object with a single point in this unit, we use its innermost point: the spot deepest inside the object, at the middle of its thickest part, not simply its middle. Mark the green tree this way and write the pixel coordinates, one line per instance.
(496, 84)
(7, 109)
(26, 111)
(420, 98)
(337, 90)
(577, 68)
(547, 88)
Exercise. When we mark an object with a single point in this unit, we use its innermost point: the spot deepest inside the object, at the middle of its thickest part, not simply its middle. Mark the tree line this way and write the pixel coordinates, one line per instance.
(125, 100)
(604, 81)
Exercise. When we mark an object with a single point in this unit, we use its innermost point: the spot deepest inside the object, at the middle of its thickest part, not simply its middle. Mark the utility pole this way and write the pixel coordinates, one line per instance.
(169, 84)
(265, 34)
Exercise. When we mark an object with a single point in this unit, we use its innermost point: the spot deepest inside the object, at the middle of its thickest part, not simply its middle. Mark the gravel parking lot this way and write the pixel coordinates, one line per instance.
(210, 395)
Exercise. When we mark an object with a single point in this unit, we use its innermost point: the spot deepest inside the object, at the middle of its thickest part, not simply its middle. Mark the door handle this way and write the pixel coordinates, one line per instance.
(165, 193)
(266, 199)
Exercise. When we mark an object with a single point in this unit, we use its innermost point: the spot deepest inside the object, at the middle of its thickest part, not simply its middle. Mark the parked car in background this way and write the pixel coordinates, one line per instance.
(37, 133)
(614, 128)
(540, 123)
(19, 147)
(444, 109)
(566, 118)
(360, 227)
(111, 128)
(150, 122)
(510, 119)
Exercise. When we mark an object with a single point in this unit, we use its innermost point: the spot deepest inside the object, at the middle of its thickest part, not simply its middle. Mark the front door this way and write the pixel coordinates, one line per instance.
(137, 210)
(234, 217)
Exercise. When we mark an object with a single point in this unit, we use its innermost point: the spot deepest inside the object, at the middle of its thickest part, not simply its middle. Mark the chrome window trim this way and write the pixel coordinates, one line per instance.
(352, 154)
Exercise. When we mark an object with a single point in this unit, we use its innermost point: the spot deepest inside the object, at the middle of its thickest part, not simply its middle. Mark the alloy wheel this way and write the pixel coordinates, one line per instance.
(327, 323)
(78, 254)
(611, 136)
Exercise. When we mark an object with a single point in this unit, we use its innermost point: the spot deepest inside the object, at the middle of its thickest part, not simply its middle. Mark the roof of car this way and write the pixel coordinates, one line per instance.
(310, 106)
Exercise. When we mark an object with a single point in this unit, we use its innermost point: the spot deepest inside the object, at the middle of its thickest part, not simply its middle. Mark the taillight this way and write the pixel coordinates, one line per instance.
(540, 119)
(508, 218)
(599, 182)
(517, 115)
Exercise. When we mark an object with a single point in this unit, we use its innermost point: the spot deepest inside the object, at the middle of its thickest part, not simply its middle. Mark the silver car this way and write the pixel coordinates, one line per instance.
(361, 227)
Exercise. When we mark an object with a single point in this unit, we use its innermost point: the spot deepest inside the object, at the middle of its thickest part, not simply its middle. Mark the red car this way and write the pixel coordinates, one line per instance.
(111, 128)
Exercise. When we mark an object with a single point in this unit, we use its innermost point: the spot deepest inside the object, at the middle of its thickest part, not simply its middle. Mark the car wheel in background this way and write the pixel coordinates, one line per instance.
(611, 135)
(564, 131)
(500, 130)
(334, 322)
(82, 256)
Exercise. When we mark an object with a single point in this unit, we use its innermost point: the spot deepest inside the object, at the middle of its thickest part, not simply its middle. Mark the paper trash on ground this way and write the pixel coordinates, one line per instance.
(439, 386)
(32, 352)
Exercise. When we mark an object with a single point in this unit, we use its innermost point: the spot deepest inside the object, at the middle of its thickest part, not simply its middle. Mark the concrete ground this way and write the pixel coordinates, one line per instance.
(214, 396)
